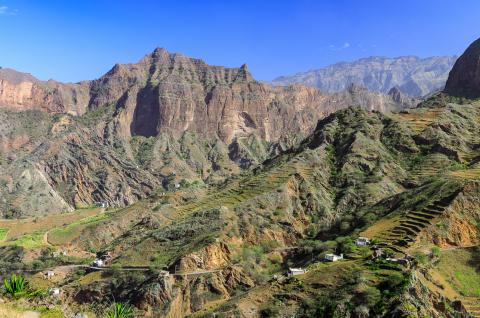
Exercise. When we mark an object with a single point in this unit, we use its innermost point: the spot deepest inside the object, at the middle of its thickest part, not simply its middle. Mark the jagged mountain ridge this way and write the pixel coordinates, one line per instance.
(164, 120)
(172, 92)
(412, 75)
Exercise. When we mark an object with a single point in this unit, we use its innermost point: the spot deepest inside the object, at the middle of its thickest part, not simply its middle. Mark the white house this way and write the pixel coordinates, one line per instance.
(98, 263)
(55, 291)
(49, 274)
(401, 261)
(362, 241)
(333, 257)
(296, 271)
(60, 253)
(102, 204)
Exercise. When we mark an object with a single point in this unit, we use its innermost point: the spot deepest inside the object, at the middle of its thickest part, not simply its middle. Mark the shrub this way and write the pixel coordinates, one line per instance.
(15, 285)
(420, 257)
(270, 310)
(435, 251)
(119, 310)
(114, 269)
(369, 296)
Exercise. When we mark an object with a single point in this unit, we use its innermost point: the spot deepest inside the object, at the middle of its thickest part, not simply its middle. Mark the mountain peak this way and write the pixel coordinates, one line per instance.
(16, 77)
(464, 78)
(244, 73)
(159, 52)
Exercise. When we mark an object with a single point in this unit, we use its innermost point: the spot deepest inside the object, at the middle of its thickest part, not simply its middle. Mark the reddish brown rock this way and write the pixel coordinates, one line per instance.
(21, 91)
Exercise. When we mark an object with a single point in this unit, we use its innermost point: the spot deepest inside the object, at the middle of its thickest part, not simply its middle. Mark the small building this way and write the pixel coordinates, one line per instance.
(80, 315)
(60, 253)
(362, 241)
(177, 185)
(49, 274)
(296, 271)
(333, 257)
(98, 263)
(55, 291)
(102, 204)
(401, 261)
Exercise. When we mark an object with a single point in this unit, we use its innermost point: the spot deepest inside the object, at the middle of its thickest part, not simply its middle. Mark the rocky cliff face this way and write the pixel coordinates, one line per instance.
(411, 75)
(164, 121)
(174, 93)
(464, 79)
(22, 91)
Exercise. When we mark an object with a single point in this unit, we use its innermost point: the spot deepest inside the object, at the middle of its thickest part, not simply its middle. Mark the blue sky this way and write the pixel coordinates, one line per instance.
(77, 40)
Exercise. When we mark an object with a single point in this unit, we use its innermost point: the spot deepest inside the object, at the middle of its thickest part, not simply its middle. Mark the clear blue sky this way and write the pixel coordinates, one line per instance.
(75, 40)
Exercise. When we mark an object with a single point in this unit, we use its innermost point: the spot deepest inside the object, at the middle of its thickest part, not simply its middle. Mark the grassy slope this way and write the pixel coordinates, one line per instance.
(461, 269)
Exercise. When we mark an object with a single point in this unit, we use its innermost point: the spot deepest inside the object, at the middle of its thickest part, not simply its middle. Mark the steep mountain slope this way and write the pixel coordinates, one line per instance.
(464, 79)
(168, 120)
(413, 76)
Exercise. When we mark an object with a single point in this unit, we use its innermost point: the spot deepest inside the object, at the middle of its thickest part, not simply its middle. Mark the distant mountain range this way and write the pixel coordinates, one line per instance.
(412, 75)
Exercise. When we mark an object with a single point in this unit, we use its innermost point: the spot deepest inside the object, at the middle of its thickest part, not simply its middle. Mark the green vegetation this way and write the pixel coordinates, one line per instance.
(435, 251)
(30, 241)
(468, 282)
(67, 233)
(15, 285)
(119, 310)
(94, 115)
(460, 268)
(143, 149)
(50, 313)
(3, 234)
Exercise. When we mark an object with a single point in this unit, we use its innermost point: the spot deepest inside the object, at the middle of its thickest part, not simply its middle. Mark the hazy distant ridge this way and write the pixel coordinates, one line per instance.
(412, 75)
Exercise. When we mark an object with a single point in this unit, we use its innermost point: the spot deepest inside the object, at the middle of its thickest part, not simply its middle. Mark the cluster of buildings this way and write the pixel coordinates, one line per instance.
(330, 257)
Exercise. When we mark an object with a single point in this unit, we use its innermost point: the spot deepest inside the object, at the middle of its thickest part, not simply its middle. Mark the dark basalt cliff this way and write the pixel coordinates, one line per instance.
(464, 79)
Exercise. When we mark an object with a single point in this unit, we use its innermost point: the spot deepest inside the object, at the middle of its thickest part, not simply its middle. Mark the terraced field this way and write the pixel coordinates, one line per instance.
(432, 165)
(459, 267)
(65, 234)
(20, 227)
(472, 305)
(248, 188)
(473, 141)
(418, 120)
(471, 173)
(401, 236)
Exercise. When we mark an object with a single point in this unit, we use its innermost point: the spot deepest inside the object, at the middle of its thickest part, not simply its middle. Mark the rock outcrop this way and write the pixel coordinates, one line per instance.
(21, 91)
(173, 93)
(464, 78)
